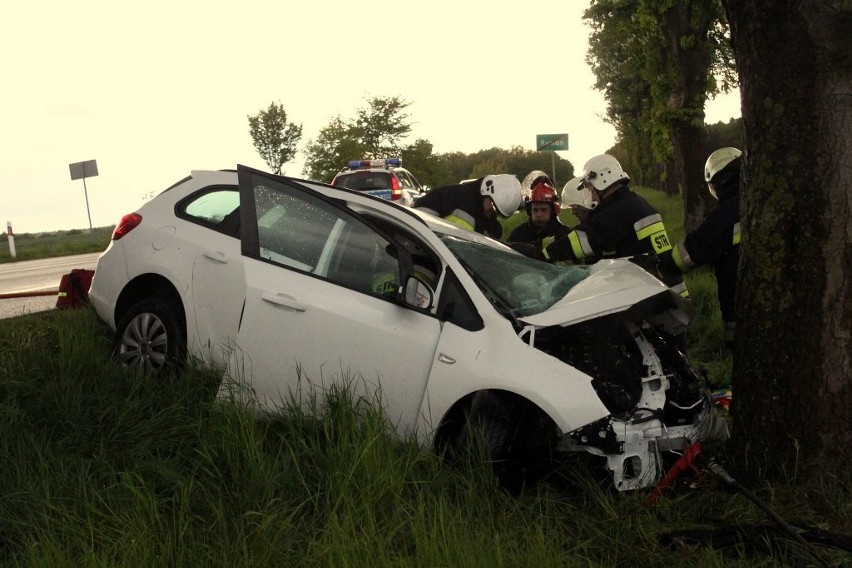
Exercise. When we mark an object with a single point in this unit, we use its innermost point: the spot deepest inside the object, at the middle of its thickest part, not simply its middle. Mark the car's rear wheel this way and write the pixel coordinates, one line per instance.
(151, 337)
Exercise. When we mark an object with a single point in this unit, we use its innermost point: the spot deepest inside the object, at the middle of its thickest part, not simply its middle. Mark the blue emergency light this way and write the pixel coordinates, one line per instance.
(382, 163)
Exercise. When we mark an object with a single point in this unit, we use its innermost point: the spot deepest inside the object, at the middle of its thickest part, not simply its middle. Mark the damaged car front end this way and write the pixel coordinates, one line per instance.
(622, 328)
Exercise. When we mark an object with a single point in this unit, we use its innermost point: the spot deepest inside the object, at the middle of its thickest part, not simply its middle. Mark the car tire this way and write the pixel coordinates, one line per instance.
(151, 337)
(513, 433)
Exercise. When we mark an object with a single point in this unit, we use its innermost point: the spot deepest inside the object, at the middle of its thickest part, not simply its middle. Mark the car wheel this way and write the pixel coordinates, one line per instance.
(514, 434)
(151, 337)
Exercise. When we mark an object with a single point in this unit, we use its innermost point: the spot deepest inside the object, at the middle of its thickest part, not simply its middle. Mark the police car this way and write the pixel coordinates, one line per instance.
(384, 178)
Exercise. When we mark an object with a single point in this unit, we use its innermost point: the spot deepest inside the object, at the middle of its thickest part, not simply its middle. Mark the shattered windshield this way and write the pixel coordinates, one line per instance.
(517, 285)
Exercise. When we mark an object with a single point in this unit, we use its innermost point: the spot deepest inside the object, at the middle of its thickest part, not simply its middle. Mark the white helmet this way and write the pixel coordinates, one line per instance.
(531, 180)
(505, 190)
(718, 161)
(603, 171)
(575, 193)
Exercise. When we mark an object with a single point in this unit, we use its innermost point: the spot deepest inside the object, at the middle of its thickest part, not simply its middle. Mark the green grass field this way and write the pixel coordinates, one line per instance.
(104, 467)
(32, 246)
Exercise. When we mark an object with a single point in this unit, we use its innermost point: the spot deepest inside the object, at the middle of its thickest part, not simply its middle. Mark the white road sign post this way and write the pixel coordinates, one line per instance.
(82, 170)
(11, 236)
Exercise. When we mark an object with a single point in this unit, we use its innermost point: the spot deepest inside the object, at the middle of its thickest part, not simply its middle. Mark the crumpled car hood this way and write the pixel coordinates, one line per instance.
(612, 286)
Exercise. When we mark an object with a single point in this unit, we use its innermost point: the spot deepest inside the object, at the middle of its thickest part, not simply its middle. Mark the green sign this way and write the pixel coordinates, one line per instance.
(551, 142)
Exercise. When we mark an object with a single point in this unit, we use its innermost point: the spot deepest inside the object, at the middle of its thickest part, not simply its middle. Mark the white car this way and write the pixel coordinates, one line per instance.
(290, 286)
(383, 178)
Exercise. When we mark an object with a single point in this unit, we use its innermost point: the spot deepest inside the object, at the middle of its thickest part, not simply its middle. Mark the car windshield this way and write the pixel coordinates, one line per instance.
(516, 285)
(364, 180)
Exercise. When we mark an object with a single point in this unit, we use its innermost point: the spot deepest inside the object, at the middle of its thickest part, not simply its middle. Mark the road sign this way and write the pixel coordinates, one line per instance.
(551, 142)
(82, 170)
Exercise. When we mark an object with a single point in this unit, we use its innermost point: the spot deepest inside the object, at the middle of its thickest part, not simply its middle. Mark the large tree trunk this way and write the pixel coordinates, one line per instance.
(792, 376)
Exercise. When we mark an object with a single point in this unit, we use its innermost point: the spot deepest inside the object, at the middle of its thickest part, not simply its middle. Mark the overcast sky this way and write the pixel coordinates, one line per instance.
(153, 90)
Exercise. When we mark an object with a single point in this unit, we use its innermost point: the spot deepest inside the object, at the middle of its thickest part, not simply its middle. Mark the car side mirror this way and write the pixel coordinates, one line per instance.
(418, 294)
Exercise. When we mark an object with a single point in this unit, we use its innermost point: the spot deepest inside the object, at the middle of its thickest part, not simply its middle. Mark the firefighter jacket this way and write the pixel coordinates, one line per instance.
(461, 204)
(717, 242)
(623, 225)
(529, 233)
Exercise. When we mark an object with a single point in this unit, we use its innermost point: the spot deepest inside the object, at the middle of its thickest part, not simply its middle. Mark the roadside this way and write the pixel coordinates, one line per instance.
(10, 308)
(31, 286)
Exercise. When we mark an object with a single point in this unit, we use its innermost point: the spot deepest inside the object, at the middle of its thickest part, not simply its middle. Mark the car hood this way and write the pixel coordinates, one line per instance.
(612, 286)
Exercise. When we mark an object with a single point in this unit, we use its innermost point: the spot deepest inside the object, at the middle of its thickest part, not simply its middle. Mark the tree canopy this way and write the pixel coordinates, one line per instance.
(657, 62)
(377, 131)
(273, 137)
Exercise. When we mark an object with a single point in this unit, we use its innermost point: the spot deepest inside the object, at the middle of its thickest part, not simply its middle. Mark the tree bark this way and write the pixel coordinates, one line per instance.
(792, 377)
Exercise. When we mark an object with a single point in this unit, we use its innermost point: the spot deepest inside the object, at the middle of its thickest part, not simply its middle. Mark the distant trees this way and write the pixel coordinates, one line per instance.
(274, 138)
(377, 131)
(380, 129)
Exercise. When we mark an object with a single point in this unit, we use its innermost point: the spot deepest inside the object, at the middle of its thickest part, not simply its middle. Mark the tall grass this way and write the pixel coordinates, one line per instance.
(105, 467)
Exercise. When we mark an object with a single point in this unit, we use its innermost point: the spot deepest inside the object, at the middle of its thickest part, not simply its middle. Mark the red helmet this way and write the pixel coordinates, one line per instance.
(543, 192)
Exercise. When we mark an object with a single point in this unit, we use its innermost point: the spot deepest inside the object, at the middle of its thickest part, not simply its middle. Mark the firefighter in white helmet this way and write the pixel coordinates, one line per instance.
(624, 224)
(474, 205)
(717, 240)
(578, 198)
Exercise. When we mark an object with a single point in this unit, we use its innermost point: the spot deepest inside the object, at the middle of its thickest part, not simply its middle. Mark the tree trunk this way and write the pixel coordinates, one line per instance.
(685, 26)
(792, 377)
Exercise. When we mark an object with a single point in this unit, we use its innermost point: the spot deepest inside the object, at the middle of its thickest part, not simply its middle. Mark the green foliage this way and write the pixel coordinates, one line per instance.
(106, 467)
(656, 63)
(32, 246)
(274, 138)
(376, 131)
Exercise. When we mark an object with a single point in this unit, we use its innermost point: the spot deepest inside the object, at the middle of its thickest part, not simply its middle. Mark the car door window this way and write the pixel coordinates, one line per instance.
(299, 230)
(216, 208)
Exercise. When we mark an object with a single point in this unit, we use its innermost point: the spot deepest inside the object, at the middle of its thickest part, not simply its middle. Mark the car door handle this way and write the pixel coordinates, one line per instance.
(217, 255)
(285, 301)
(445, 359)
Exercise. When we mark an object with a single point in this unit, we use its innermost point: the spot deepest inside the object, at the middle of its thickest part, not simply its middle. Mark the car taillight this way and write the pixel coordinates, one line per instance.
(396, 190)
(127, 224)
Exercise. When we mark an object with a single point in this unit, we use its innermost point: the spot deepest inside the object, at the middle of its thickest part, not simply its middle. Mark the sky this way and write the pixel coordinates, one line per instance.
(154, 90)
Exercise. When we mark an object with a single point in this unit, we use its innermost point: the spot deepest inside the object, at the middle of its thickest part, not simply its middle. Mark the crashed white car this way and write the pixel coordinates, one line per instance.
(291, 286)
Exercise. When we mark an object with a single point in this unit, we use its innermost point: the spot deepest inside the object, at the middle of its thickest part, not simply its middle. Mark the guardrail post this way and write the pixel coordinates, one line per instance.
(11, 236)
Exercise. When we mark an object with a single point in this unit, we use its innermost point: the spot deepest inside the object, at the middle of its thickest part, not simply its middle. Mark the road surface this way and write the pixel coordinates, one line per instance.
(37, 276)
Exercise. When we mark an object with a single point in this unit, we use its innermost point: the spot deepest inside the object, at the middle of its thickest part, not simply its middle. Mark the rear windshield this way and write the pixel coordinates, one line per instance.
(364, 180)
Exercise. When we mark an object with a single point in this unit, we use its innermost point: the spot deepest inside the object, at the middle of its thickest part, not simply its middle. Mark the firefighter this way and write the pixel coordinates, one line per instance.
(577, 197)
(543, 210)
(624, 224)
(717, 240)
(474, 205)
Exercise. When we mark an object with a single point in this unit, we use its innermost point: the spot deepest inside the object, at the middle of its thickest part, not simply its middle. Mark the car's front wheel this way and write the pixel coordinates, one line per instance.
(517, 437)
(151, 337)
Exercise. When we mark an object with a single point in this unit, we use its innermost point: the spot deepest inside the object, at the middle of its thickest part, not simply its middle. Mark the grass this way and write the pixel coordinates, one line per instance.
(33, 246)
(104, 467)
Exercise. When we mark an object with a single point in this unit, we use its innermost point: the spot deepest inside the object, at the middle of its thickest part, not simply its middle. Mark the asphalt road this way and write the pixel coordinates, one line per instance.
(34, 277)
